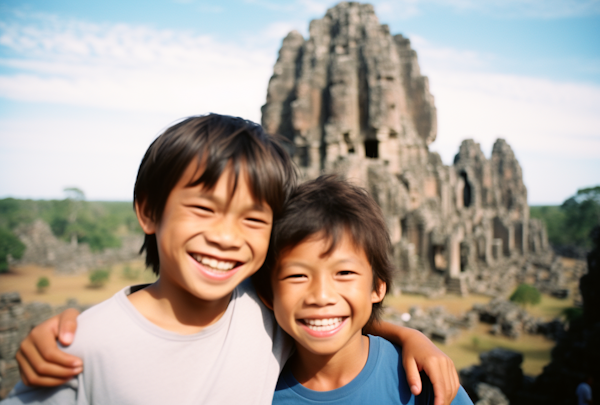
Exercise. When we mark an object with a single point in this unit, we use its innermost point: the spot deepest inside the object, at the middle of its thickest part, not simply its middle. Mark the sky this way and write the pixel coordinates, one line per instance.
(85, 86)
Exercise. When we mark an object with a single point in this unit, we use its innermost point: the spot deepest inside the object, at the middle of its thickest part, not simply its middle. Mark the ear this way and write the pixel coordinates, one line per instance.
(146, 222)
(379, 292)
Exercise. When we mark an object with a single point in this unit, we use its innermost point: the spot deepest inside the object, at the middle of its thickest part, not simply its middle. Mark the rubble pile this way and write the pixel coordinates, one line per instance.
(500, 371)
(489, 395)
(435, 323)
(512, 320)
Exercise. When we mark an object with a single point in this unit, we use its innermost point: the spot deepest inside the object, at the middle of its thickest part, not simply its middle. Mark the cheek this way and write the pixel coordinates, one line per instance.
(283, 302)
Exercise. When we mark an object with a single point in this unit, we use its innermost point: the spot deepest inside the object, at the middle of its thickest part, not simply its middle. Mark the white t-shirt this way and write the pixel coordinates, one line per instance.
(584, 394)
(129, 360)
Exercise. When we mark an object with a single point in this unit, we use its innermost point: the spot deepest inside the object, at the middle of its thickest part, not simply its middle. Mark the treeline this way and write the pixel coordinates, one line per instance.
(100, 224)
(569, 225)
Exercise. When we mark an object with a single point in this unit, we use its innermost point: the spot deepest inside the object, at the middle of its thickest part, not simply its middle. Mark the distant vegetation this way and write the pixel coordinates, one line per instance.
(42, 284)
(570, 224)
(99, 277)
(526, 294)
(9, 245)
(97, 223)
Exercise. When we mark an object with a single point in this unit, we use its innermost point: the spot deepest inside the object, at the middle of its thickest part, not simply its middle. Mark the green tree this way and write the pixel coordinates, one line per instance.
(526, 294)
(582, 214)
(9, 245)
(570, 223)
(100, 224)
(99, 277)
(42, 283)
(75, 202)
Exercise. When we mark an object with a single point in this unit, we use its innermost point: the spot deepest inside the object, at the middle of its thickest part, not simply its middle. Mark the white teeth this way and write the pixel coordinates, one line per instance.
(214, 264)
(323, 324)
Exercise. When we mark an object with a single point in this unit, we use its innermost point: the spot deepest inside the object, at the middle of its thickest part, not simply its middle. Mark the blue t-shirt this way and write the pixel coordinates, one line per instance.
(381, 381)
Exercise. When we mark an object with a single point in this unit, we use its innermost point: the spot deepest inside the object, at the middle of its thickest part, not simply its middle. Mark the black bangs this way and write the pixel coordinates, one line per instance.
(250, 150)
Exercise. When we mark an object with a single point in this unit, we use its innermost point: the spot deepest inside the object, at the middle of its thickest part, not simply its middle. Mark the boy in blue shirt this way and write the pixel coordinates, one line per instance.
(329, 269)
(207, 194)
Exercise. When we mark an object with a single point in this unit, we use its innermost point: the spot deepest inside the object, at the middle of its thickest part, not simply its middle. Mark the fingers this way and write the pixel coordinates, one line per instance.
(455, 383)
(42, 348)
(444, 380)
(31, 378)
(412, 375)
(67, 326)
(41, 362)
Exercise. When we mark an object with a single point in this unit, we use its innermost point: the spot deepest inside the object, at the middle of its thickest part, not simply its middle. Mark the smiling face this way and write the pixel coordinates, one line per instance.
(209, 241)
(323, 302)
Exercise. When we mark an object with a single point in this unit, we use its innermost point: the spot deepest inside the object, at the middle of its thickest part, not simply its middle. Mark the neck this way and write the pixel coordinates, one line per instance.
(175, 309)
(328, 372)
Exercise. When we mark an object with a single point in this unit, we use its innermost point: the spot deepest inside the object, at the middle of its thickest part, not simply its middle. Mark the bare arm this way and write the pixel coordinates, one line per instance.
(419, 353)
(41, 362)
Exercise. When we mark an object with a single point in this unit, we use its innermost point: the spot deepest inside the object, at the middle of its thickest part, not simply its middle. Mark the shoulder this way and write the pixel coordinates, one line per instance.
(106, 310)
(248, 304)
(249, 308)
(102, 324)
(461, 398)
(386, 352)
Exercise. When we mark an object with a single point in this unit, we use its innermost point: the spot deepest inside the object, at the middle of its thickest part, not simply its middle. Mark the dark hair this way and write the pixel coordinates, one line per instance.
(331, 206)
(215, 141)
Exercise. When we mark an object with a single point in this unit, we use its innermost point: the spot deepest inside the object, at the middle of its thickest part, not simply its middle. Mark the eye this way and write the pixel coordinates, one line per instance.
(204, 208)
(345, 273)
(295, 277)
(256, 220)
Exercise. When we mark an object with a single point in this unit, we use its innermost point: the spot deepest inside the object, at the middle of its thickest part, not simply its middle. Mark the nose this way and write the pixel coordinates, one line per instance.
(224, 233)
(322, 292)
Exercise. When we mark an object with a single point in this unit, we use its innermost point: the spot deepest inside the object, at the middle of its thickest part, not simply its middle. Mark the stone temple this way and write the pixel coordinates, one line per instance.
(351, 100)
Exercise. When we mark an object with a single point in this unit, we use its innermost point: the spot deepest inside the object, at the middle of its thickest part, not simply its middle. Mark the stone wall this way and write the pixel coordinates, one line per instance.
(351, 100)
(44, 249)
(16, 320)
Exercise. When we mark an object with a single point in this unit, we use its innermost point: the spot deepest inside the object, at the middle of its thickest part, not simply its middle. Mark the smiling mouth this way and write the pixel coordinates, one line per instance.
(322, 325)
(220, 266)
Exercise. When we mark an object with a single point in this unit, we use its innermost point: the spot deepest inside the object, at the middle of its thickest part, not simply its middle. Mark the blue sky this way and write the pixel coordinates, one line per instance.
(85, 86)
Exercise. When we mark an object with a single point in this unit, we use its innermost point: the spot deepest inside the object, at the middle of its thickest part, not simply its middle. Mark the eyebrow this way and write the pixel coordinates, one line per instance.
(305, 265)
(209, 195)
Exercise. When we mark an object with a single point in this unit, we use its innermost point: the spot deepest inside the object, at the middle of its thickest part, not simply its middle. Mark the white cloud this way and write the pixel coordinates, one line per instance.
(403, 9)
(553, 127)
(532, 114)
(278, 30)
(128, 67)
(156, 76)
(313, 7)
(98, 152)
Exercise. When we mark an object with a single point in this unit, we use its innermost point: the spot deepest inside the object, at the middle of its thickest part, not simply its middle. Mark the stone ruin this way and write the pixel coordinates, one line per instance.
(351, 100)
(497, 377)
(507, 319)
(45, 249)
(16, 320)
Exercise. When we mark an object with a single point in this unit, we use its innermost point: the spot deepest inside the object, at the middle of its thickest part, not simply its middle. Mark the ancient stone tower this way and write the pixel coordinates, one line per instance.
(351, 99)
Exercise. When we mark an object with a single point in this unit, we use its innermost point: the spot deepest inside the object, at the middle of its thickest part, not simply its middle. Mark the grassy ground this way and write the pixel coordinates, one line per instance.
(464, 351)
(62, 287)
